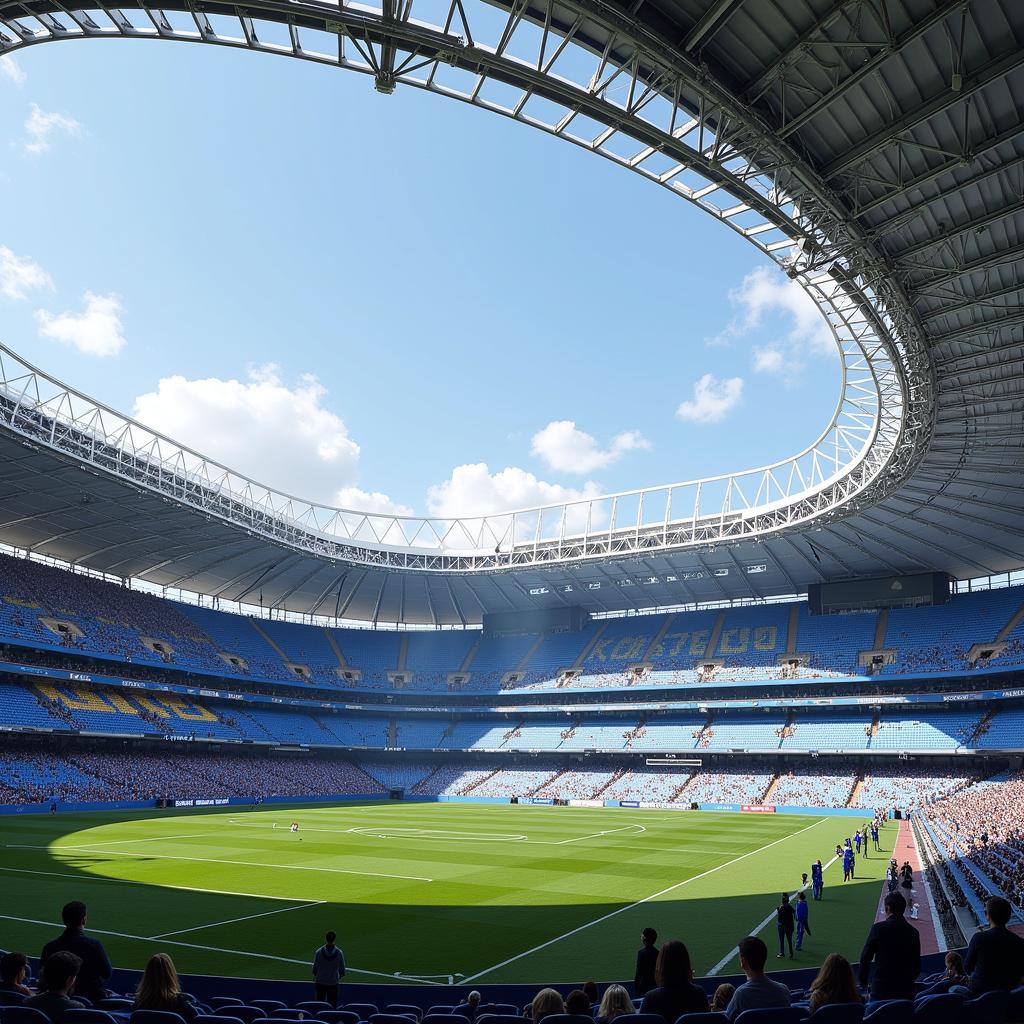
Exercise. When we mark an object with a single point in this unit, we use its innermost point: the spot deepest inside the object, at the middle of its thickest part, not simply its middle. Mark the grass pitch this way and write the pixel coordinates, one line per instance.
(427, 891)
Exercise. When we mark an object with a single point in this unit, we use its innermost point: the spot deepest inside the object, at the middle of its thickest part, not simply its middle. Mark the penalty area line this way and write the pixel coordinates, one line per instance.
(638, 903)
(238, 920)
(211, 949)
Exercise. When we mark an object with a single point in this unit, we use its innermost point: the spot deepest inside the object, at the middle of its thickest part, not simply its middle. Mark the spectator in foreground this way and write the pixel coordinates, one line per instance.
(328, 969)
(159, 989)
(59, 974)
(94, 968)
(722, 997)
(13, 972)
(590, 987)
(646, 961)
(995, 956)
(676, 992)
(894, 946)
(616, 1003)
(758, 991)
(835, 983)
(577, 1002)
(546, 1002)
(470, 1007)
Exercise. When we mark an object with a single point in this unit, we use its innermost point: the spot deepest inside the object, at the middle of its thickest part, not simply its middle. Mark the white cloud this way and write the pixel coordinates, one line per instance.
(279, 433)
(768, 360)
(20, 275)
(40, 127)
(473, 490)
(95, 332)
(369, 501)
(569, 450)
(712, 399)
(12, 71)
(765, 293)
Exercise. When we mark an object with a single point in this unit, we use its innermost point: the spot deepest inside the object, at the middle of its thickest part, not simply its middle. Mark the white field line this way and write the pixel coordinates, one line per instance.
(150, 885)
(640, 902)
(597, 835)
(194, 945)
(761, 927)
(241, 863)
(237, 920)
(122, 842)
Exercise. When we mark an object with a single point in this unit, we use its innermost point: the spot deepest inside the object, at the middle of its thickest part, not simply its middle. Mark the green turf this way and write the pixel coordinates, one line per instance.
(427, 889)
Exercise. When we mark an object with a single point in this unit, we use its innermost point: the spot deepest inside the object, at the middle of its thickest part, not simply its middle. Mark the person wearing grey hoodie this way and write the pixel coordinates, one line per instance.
(328, 970)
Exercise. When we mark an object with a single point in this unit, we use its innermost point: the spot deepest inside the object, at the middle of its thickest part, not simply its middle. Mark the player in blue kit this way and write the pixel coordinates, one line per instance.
(817, 879)
(803, 926)
(847, 864)
(856, 841)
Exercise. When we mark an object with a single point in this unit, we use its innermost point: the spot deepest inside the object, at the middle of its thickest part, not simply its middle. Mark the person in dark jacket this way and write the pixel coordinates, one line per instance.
(646, 961)
(995, 956)
(95, 968)
(469, 1008)
(159, 989)
(785, 921)
(328, 969)
(894, 947)
(676, 992)
(59, 974)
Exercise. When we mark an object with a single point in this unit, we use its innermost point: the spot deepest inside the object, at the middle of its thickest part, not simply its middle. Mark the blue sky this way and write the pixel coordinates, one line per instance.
(370, 299)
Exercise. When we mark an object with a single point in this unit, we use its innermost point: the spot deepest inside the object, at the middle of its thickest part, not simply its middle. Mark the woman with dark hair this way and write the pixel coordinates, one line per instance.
(676, 992)
(835, 983)
(13, 974)
(159, 989)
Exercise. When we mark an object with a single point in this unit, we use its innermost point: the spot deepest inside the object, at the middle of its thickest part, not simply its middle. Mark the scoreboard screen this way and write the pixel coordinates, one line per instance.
(925, 588)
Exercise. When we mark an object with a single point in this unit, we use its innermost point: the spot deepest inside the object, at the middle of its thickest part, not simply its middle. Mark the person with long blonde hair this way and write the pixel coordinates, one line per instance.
(835, 983)
(159, 989)
(615, 1003)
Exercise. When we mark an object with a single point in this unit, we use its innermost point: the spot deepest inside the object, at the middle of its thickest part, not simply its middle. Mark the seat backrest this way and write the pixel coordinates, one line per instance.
(365, 1010)
(338, 1017)
(711, 1017)
(388, 1018)
(655, 1018)
(268, 1004)
(990, 1008)
(402, 1008)
(114, 1005)
(771, 1015)
(215, 1018)
(313, 1006)
(225, 1001)
(89, 1016)
(839, 1013)
(12, 998)
(568, 1018)
(945, 1008)
(507, 1008)
(499, 1018)
(444, 1018)
(440, 1009)
(288, 1013)
(156, 1017)
(892, 1011)
(24, 1015)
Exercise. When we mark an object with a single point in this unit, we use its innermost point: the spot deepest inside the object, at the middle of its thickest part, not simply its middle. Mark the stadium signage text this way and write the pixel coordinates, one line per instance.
(757, 808)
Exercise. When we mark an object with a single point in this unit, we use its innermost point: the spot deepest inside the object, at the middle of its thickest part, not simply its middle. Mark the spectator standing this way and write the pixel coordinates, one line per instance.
(835, 983)
(785, 919)
(758, 991)
(803, 925)
(13, 972)
(94, 970)
(995, 956)
(159, 989)
(328, 969)
(676, 992)
(60, 972)
(616, 1003)
(894, 947)
(646, 961)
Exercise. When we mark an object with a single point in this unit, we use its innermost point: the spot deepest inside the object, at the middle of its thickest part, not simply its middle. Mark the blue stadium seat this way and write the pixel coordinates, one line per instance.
(88, 1016)
(12, 998)
(508, 1009)
(337, 1017)
(711, 1017)
(288, 1013)
(216, 1018)
(890, 1011)
(499, 1018)
(247, 1013)
(444, 1018)
(365, 1010)
(1015, 1007)
(941, 1009)
(269, 1006)
(219, 1001)
(313, 1007)
(838, 1013)
(400, 1009)
(647, 1018)
(114, 1004)
(772, 1015)
(389, 1018)
(990, 1008)
(24, 1015)
(569, 1018)
(156, 1017)
(441, 1009)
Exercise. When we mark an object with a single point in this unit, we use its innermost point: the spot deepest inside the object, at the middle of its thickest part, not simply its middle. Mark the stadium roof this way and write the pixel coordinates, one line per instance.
(874, 150)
